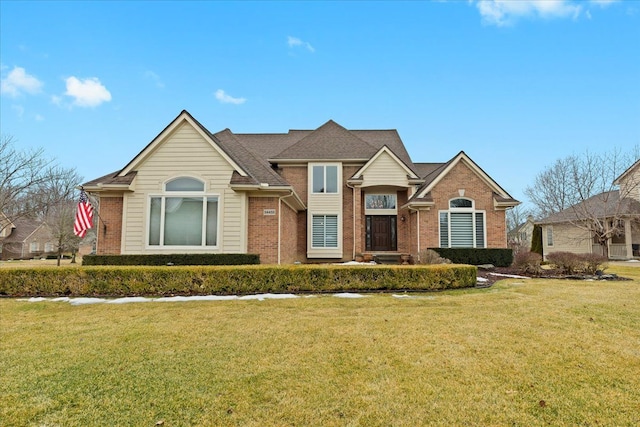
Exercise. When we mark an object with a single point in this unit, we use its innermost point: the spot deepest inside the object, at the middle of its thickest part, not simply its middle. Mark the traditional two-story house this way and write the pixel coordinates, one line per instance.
(327, 194)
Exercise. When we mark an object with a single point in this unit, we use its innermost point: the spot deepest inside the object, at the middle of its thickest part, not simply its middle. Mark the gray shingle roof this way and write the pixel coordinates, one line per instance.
(601, 205)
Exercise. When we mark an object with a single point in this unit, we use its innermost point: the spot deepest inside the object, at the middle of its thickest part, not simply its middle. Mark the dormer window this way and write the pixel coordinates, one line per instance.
(184, 215)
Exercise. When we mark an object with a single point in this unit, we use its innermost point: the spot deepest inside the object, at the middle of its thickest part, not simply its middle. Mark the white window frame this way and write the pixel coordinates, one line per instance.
(324, 177)
(549, 235)
(377, 211)
(472, 210)
(34, 247)
(205, 195)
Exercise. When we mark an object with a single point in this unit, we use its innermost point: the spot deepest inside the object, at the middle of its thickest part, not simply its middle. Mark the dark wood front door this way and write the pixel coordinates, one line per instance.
(381, 233)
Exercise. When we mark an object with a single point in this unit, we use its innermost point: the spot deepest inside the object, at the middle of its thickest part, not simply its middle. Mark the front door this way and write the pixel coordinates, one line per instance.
(381, 233)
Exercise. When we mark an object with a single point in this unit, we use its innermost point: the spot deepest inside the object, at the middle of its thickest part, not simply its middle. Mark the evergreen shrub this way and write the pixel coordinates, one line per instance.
(120, 281)
(172, 259)
(500, 257)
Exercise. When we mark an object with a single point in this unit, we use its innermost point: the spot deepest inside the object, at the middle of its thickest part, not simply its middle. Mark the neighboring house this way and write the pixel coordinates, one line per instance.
(619, 209)
(25, 239)
(521, 235)
(327, 194)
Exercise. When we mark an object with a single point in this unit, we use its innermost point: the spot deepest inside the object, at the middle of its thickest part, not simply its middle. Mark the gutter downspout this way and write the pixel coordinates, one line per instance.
(353, 211)
(417, 211)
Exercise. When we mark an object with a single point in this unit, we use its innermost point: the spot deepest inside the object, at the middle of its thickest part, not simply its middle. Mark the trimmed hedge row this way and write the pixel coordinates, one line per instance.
(204, 280)
(172, 259)
(499, 257)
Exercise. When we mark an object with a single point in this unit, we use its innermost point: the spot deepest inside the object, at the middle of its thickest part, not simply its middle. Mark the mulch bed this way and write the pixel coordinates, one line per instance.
(502, 273)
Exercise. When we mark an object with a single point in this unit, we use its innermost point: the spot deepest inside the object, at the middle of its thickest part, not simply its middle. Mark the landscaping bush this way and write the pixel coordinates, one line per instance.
(566, 262)
(570, 263)
(500, 257)
(528, 262)
(591, 263)
(429, 256)
(227, 280)
(172, 259)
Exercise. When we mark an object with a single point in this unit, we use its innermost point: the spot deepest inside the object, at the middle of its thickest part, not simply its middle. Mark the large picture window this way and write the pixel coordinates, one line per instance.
(324, 231)
(462, 226)
(325, 179)
(184, 215)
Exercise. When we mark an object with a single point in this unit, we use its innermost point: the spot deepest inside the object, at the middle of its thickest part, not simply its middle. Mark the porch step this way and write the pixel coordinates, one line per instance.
(388, 259)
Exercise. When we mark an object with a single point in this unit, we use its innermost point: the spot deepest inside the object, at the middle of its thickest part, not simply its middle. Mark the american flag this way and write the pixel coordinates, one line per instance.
(84, 216)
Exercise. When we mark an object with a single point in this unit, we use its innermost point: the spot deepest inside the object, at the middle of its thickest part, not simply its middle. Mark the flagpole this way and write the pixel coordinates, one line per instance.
(95, 212)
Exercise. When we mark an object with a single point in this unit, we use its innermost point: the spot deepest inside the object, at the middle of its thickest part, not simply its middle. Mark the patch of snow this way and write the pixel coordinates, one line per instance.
(401, 296)
(482, 279)
(633, 260)
(348, 295)
(197, 298)
(513, 276)
(84, 301)
(126, 300)
(355, 263)
(263, 297)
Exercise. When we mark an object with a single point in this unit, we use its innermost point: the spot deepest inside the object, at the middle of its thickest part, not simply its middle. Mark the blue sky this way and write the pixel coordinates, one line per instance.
(515, 84)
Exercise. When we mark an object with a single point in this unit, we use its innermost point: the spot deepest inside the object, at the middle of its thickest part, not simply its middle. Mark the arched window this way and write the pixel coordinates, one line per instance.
(184, 215)
(462, 226)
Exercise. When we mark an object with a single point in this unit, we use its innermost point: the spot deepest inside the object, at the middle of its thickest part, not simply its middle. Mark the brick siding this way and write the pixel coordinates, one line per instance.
(461, 177)
(109, 225)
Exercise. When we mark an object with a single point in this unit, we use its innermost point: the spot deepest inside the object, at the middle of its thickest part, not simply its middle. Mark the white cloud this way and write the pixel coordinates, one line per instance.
(86, 93)
(18, 82)
(150, 75)
(228, 99)
(39, 117)
(507, 12)
(296, 42)
(604, 3)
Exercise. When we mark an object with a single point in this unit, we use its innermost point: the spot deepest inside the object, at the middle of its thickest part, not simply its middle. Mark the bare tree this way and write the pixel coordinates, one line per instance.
(581, 190)
(60, 219)
(30, 183)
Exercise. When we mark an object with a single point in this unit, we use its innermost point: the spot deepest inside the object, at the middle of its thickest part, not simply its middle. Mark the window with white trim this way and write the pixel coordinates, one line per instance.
(462, 226)
(34, 247)
(184, 216)
(325, 178)
(324, 231)
(48, 247)
(549, 235)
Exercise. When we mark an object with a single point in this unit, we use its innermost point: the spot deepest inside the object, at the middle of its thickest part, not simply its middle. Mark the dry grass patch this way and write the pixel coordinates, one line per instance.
(533, 352)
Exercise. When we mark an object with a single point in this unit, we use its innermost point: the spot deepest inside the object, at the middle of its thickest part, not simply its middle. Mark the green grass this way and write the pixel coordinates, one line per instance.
(522, 353)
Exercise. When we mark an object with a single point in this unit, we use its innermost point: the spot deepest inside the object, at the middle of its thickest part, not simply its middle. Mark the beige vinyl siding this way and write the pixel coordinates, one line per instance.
(324, 204)
(566, 238)
(630, 186)
(385, 170)
(184, 153)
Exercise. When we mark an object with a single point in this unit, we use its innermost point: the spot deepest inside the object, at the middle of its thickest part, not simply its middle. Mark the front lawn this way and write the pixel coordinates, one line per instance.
(521, 353)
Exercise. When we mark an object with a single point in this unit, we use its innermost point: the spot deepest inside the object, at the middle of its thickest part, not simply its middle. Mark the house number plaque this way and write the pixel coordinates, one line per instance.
(268, 211)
